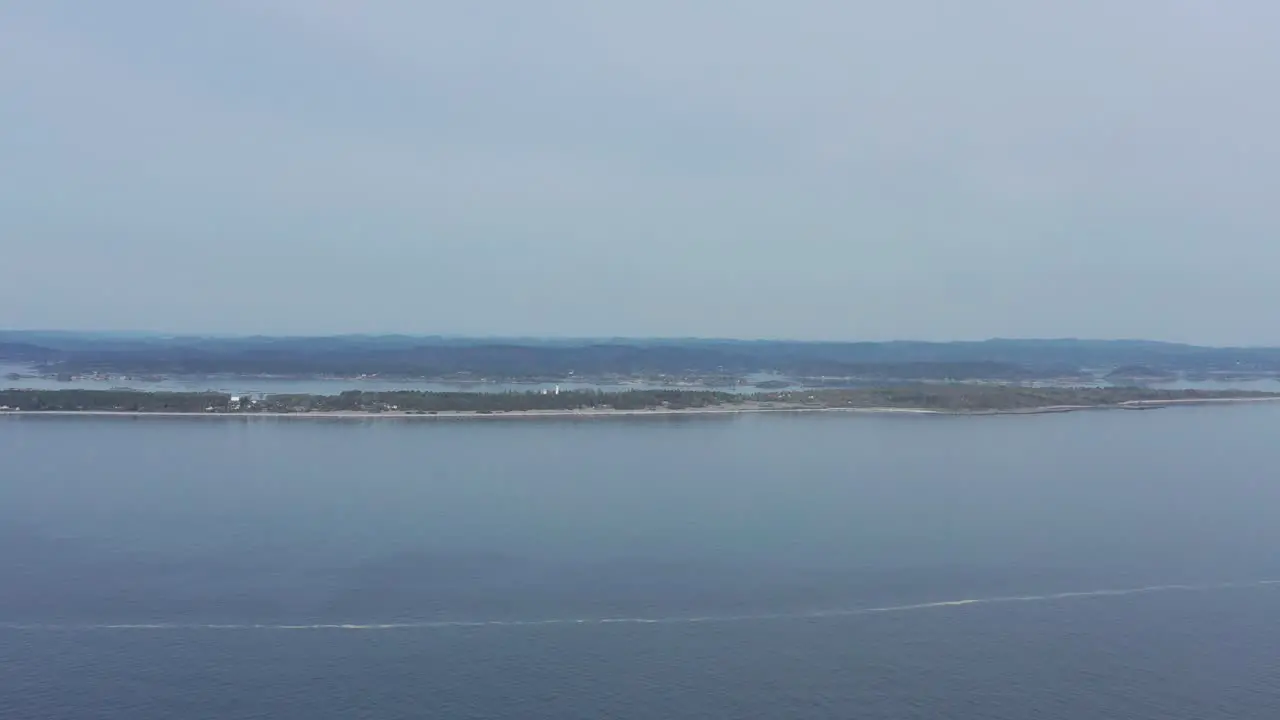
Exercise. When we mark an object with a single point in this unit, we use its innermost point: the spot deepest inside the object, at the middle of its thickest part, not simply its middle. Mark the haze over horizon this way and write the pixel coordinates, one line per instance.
(32, 333)
(918, 170)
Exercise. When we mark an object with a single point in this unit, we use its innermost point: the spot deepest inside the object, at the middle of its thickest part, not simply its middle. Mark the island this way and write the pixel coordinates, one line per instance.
(921, 398)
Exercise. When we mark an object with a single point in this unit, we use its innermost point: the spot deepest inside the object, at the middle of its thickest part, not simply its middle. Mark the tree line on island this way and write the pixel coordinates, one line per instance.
(358, 401)
(948, 397)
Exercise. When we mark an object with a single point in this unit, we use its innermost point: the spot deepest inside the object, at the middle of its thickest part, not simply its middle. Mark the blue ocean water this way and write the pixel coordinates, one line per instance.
(1100, 565)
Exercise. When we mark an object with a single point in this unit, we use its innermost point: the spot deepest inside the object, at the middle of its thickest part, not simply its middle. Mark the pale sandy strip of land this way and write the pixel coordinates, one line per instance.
(652, 412)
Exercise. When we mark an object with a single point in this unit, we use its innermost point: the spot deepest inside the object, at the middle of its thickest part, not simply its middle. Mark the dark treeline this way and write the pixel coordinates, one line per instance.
(121, 400)
(403, 401)
(410, 400)
(955, 397)
(964, 398)
(529, 358)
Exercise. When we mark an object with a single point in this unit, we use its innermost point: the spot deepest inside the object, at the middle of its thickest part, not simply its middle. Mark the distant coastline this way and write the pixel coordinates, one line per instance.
(604, 413)
(60, 360)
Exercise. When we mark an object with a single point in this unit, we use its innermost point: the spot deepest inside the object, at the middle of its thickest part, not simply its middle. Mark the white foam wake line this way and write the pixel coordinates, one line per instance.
(678, 620)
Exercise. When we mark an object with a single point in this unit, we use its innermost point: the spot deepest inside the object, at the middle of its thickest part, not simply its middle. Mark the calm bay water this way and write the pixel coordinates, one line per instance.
(780, 566)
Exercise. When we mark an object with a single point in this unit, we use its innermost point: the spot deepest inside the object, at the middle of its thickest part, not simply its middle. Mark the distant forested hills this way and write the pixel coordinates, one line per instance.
(410, 356)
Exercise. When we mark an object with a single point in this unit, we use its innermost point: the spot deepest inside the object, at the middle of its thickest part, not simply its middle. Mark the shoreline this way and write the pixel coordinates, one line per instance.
(648, 412)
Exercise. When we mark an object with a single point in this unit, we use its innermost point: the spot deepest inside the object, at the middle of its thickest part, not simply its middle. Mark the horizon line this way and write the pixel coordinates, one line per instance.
(195, 335)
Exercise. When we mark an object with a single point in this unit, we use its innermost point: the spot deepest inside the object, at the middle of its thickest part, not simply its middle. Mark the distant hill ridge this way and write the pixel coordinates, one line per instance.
(436, 356)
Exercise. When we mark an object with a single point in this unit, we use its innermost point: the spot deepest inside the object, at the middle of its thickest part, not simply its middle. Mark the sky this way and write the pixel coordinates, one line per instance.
(816, 169)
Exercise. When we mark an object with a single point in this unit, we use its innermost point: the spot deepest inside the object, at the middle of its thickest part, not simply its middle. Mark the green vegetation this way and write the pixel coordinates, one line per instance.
(120, 400)
(416, 401)
(943, 397)
(959, 397)
(357, 401)
(1140, 373)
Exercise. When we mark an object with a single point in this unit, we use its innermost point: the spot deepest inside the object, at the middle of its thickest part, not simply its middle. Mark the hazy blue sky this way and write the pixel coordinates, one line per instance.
(805, 169)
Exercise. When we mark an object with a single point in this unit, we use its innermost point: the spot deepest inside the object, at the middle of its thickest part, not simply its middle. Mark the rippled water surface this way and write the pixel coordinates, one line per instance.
(1099, 565)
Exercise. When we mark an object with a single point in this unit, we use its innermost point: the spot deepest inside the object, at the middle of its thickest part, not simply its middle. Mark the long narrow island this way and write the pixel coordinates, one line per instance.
(974, 399)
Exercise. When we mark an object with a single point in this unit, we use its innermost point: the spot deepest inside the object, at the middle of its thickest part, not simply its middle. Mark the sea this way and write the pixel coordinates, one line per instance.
(1098, 564)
